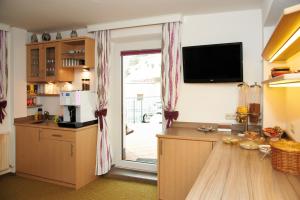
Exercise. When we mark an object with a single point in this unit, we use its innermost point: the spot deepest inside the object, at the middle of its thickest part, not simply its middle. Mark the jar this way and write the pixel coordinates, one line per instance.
(242, 108)
(85, 84)
(40, 113)
(254, 102)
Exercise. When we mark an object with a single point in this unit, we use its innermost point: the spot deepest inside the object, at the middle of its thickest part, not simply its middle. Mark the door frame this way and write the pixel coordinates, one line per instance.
(147, 167)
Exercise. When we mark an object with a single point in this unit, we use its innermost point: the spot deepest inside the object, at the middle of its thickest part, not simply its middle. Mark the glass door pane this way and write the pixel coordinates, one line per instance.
(50, 61)
(35, 65)
(142, 107)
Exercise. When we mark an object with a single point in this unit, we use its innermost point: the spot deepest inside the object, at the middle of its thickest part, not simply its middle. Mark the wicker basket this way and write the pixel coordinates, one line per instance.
(286, 156)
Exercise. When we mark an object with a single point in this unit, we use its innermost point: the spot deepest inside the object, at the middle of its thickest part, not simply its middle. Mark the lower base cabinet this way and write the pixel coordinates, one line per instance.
(179, 164)
(58, 156)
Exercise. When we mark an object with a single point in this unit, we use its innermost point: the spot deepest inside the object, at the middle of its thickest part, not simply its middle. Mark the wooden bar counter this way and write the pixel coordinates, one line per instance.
(182, 152)
(232, 173)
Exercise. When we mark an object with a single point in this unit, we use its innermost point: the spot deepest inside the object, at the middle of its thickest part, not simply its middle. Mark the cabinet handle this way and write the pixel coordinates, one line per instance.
(71, 150)
(56, 135)
(160, 147)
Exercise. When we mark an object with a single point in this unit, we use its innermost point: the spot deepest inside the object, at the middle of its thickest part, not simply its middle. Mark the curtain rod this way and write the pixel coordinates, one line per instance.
(135, 23)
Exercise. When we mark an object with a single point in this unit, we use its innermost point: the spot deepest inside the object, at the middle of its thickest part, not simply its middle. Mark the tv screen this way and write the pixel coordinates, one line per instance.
(216, 63)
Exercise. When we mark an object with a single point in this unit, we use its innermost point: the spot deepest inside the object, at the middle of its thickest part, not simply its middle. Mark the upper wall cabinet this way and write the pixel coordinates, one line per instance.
(54, 61)
(285, 40)
(35, 73)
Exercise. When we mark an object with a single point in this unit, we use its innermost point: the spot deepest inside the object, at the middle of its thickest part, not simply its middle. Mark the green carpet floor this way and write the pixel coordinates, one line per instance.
(17, 188)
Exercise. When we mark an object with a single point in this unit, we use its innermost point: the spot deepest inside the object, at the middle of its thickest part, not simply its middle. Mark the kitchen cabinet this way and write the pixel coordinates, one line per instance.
(54, 61)
(179, 164)
(27, 150)
(57, 155)
(60, 156)
(43, 63)
(51, 53)
(35, 72)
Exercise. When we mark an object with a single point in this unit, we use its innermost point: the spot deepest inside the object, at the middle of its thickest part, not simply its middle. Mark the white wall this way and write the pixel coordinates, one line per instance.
(17, 74)
(19, 40)
(197, 102)
(292, 103)
(274, 113)
(210, 102)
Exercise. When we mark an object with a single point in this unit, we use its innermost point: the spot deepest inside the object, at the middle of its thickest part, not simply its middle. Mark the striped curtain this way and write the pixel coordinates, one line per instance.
(104, 157)
(171, 62)
(3, 74)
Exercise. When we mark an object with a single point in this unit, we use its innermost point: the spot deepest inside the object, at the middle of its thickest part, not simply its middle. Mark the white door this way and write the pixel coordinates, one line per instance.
(141, 108)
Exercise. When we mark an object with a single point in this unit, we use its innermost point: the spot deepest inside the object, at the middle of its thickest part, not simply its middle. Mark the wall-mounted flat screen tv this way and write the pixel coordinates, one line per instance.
(215, 63)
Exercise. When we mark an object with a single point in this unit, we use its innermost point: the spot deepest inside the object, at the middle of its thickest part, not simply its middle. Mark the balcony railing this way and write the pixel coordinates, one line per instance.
(141, 110)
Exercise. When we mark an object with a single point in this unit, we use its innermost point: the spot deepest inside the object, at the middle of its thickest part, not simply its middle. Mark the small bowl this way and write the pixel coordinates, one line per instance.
(264, 148)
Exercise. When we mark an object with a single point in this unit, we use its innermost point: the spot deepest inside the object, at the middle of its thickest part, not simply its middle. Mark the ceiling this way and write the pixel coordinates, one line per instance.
(53, 15)
(276, 10)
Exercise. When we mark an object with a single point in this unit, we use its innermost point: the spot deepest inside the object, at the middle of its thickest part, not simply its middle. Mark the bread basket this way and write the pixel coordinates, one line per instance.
(286, 156)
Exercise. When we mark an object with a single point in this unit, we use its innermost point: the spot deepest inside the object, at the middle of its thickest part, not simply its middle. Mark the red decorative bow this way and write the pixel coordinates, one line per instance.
(100, 114)
(170, 116)
(3, 105)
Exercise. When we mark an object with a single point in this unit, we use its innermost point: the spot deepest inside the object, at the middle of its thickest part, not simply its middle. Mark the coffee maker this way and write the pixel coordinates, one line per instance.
(78, 108)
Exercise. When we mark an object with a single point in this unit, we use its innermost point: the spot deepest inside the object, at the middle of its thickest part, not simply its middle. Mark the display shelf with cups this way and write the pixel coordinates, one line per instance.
(34, 106)
(78, 53)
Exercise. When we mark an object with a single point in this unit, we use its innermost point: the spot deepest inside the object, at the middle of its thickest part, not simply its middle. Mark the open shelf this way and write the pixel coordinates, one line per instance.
(78, 52)
(284, 79)
(288, 25)
(43, 95)
(35, 106)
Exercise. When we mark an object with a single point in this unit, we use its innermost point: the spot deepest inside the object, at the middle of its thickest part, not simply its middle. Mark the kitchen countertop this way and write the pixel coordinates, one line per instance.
(232, 173)
(49, 124)
(191, 134)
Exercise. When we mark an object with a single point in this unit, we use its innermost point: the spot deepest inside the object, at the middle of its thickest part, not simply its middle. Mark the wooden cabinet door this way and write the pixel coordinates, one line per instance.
(166, 167)
(27, 150)
(35, 69)
(180, 162)
(51, 60)
(57, 158)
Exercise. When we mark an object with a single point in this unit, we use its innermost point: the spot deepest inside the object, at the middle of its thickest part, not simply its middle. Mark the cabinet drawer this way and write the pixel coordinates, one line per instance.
(57, 135)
